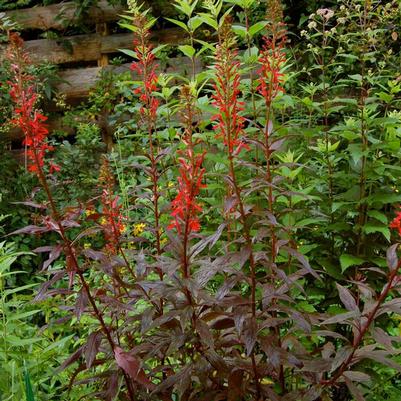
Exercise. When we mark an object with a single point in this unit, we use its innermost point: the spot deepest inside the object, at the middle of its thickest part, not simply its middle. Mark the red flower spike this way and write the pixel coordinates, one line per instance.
(272, 60)
(145, 67)
(229, 123)
(185, 206)
(29, 119)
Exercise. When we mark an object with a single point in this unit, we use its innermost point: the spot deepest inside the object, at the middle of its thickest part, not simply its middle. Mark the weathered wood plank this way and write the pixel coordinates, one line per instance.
(77, 82)
(90, 47)
(49, 17)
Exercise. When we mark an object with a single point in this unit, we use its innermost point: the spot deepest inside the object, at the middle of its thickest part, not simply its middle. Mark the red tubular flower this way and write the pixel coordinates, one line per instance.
(185, 206)
(27, 117)
(396, 223)
(272, 60)
(230, 123)
(145, 67)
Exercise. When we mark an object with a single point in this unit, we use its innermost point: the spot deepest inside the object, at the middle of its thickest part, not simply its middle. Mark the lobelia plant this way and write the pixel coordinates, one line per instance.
(237, 313)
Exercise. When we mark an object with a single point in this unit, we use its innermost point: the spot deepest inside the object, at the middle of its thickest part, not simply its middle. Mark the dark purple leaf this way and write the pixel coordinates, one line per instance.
(234, 390)
(112, 387)
(209, 240)
(92, 348)
(347, 298)
(301, 322)
(392, 258)
(222, 324)
(53, 255)
(382, 337)
(30, 230)
(341, 318)
(356, 376)
(132, 367)
(301, 258)
(31, 204)
(249, 334)
(81, 303)
(94, 255)
(354, 390)
(204, 332)
(42, 293)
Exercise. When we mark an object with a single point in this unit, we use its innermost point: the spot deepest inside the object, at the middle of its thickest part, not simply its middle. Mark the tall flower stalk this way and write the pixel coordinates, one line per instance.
(185, 206)
(145, 67)
(31, 122)
(229, 127)
(27, 117)
(272, 60)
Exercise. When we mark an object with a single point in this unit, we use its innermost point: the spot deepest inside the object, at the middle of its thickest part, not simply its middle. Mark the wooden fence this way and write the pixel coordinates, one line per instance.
(83, 49)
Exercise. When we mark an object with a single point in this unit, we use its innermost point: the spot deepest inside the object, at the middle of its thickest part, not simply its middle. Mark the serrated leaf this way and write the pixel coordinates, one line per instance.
(347, 298)
(372, 228)
(378, 216)
(347, 261)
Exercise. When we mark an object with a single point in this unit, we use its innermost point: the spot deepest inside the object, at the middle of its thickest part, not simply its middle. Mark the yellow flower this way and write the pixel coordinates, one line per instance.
(103, 221)
(266, 381)
(170, 184)
(88, 212)
(87, 245)
(139, 229)
(163, 241)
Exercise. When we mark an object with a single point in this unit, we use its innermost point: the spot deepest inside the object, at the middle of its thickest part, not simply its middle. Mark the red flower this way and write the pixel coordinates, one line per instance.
(272, 60)
(29, 119)
(145, 67)
(230, 123)
(185, 206)
(396, 223)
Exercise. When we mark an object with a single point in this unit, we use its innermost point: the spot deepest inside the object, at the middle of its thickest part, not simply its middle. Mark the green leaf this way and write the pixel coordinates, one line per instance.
(178, 23)
(24, 315)
(383, 198)
(188, 50)
(347, 261)
(195, 22)
(240, 31)
(372, 228)
(129, 27)
(158, 49)
(128, 52)
(356, 77)
(378, 216)
(28, 387)
(254, 29)
(208, 20)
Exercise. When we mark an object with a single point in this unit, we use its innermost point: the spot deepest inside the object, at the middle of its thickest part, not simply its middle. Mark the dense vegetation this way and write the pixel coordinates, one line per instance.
(237, 240)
